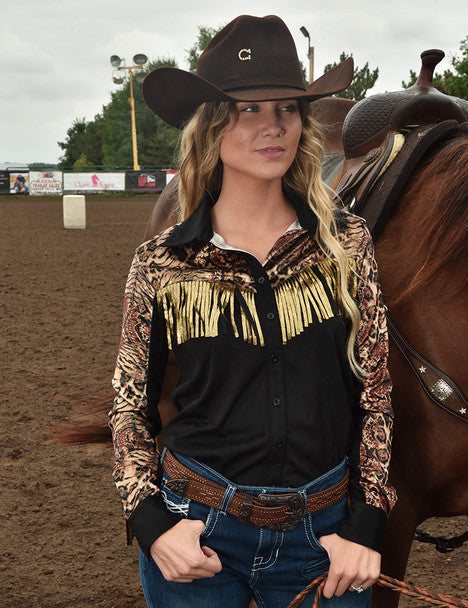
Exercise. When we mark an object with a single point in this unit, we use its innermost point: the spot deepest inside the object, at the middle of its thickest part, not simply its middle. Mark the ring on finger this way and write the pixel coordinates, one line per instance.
(358, 589)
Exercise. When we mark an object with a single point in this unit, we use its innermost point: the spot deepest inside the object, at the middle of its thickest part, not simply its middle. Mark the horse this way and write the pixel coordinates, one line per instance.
(421, 254)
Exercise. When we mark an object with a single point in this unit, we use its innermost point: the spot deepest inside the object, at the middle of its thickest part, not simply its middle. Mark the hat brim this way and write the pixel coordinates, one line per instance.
(174, 95)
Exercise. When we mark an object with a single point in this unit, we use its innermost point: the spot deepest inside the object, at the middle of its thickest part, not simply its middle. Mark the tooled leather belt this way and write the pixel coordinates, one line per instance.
(279, 512)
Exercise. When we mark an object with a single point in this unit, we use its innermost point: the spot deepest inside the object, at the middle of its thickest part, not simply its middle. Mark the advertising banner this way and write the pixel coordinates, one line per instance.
(145, 181)
(169, 175)
(93, 182)
(45, 182)
(4, 182)
(19, 183)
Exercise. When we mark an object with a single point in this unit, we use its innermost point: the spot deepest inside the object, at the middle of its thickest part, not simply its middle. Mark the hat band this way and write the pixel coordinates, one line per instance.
(265, 87)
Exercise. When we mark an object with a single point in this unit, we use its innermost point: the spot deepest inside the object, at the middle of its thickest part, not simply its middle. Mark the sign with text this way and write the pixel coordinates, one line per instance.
(45, 182)
(145, 181)
(93, 182)
(170, 175)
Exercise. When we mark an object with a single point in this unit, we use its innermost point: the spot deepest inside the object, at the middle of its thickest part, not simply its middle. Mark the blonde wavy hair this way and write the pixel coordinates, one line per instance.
(201, 172)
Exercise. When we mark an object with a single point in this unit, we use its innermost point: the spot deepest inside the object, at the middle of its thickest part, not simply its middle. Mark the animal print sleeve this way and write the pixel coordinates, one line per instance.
(136, 466)
(371, 496)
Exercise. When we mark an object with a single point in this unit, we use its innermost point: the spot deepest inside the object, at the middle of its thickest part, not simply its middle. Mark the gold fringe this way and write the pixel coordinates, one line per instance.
(302, 299)
(192, 309)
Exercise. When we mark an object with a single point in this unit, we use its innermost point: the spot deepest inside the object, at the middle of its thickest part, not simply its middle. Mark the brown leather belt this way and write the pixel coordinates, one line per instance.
(279, 512)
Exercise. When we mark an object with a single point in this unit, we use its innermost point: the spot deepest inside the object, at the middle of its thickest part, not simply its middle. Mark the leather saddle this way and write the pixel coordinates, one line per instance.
(369, 121)
(385, 136)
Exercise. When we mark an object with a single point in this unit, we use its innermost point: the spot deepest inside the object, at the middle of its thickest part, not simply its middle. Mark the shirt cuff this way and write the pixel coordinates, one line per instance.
(151, 519)
(365, 525)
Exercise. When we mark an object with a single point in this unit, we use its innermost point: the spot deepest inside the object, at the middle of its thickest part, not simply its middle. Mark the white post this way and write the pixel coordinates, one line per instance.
(74, 211)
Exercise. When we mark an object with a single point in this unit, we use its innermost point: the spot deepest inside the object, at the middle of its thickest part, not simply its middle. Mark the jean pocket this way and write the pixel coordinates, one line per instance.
(311, 537)
(325, 521)
(209, 515)
(313, 569)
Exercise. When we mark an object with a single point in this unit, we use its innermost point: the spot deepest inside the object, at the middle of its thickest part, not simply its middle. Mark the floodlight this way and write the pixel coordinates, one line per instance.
(117, 79)
(140, 59)
(305, 32)
(140, 76)
(115, 61)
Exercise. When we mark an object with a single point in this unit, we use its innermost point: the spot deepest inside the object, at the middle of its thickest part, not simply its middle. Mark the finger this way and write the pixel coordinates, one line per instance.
(343, 585)
(187, 575)
(356, 586)
(330, 585)
(213, 559)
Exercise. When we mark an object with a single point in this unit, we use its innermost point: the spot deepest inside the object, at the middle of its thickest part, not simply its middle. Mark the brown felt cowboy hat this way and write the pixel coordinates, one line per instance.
(251, 59)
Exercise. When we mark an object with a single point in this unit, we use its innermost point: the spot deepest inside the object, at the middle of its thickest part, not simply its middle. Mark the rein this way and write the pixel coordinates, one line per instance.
(436, 599)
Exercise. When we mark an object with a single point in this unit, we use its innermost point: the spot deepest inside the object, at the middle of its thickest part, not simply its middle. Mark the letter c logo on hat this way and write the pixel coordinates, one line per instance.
(244, 54)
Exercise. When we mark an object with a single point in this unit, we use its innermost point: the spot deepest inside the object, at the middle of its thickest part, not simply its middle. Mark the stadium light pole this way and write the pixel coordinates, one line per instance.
(310, 54)
(140, 62)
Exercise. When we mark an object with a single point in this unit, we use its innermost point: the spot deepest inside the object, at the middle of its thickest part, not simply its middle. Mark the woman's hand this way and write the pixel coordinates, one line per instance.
(178, 554)
(350, 564)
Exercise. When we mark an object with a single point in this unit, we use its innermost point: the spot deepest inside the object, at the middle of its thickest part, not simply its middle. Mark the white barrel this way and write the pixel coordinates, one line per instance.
(74, 211)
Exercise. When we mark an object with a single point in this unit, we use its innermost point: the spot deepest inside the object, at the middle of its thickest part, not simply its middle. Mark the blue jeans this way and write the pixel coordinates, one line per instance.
(272, 567)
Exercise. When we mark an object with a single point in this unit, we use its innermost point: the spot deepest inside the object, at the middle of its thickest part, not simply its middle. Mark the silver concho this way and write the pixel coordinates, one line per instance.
(441, 390)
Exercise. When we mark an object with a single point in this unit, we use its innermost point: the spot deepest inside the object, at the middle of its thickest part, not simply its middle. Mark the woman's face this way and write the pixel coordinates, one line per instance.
(262, 142)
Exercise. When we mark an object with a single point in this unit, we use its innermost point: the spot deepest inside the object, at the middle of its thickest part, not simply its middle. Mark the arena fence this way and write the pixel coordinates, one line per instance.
(60, 182)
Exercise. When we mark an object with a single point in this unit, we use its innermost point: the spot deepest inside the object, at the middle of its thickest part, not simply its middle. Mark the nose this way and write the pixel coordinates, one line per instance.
(273, 124)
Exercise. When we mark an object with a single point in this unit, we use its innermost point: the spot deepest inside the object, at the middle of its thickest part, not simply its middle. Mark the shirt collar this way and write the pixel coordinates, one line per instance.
(198, 225)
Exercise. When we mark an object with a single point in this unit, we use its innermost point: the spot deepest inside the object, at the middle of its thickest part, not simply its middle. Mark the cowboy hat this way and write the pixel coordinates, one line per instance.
(250, 59)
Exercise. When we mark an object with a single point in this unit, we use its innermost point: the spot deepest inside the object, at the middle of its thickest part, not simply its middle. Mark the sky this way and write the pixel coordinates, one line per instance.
(56, 67)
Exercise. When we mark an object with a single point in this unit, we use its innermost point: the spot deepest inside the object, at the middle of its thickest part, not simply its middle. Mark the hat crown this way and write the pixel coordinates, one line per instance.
(252, 52)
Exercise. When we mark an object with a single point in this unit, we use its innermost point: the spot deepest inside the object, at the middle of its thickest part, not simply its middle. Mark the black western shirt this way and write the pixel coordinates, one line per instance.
(266, 395)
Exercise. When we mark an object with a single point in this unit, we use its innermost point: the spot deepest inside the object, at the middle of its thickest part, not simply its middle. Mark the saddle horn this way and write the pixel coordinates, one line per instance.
(430, 59)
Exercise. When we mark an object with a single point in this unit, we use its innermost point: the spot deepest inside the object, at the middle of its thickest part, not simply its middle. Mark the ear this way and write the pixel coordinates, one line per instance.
(330, 112)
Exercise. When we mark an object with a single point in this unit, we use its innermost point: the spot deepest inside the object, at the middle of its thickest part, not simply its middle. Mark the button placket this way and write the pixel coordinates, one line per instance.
(269, 319)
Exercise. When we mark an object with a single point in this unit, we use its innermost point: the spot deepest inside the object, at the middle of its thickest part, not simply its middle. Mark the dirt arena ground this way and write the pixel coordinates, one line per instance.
(62, 537)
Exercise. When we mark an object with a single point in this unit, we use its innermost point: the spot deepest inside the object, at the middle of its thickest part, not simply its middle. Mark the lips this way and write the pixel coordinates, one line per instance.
(271, 151)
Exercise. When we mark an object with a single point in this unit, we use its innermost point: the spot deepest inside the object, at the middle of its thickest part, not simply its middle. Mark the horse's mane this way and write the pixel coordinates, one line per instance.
(443, 180)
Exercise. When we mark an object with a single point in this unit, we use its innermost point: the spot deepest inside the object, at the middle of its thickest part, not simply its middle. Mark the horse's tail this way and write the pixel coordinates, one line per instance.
(90, 431)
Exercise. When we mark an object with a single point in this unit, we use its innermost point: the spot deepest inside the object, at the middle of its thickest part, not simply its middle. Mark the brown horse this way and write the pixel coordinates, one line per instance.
(422, 256)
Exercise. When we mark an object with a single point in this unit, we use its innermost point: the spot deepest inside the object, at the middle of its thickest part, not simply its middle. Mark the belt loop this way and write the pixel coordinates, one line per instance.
(227, 498)
(303, 495)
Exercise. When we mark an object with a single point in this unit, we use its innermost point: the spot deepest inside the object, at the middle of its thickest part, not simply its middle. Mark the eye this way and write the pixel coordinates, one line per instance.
(253, 107)
(289, 107)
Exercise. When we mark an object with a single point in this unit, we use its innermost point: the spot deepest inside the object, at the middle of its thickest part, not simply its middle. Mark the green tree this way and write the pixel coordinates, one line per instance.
(117, 132)
(363, 79)
(84, 139)
(451, 82)
(107, 140)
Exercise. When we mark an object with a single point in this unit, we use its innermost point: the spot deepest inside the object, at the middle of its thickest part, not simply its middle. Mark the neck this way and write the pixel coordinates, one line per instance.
(251, 203)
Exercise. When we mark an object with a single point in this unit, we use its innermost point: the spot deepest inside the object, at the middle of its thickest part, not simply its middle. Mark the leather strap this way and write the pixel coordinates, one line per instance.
(439, 387)
(279, 512)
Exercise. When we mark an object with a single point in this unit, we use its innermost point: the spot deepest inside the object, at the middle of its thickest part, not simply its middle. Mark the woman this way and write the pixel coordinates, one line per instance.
(269, 299)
